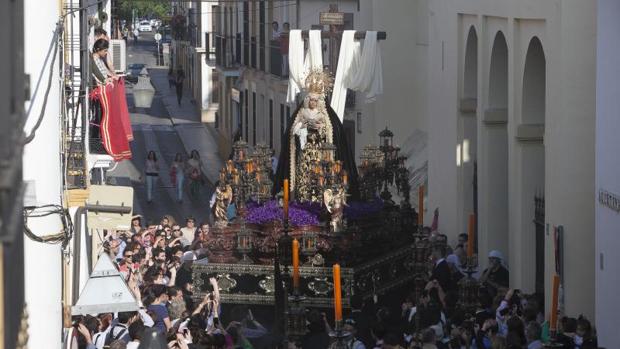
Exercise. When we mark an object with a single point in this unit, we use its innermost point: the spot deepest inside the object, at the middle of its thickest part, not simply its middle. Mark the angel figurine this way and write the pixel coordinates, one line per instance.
(223, 198)
(335, 201)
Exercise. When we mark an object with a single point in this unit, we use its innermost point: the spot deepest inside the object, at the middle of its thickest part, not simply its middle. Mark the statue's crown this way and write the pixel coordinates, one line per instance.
(319, 81)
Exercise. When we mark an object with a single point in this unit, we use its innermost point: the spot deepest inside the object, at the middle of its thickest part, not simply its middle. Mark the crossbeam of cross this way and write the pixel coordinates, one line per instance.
(334, 35)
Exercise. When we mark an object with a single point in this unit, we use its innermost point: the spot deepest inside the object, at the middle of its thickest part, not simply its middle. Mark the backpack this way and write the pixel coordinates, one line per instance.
(110, 337)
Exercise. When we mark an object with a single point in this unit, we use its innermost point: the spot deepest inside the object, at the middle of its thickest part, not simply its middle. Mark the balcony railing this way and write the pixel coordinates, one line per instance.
(237, 54)
(253, 52)
(278, 63)
(224, 55)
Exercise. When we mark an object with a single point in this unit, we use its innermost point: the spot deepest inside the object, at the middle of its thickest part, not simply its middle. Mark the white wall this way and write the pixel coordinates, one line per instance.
(564, 169)
(43, 278)
(607, 263)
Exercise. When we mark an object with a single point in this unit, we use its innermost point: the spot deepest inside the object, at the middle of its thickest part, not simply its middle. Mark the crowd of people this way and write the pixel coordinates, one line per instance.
(434, 318)
(156, 262)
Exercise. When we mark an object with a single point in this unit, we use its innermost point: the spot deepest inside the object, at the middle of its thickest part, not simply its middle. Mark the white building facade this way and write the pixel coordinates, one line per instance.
(193, 52)
(512, 95)
(607, 185)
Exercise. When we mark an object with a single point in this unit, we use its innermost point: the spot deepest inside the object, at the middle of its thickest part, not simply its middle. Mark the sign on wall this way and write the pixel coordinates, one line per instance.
(610, 200)
(331, 18)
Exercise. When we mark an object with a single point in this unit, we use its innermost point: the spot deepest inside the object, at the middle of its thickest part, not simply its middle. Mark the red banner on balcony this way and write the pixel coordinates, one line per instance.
(115, 125)
(120, 103)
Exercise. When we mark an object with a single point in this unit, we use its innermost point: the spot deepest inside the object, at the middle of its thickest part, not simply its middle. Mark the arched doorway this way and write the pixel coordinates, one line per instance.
(466, 150)
(531, 153)
(494, 157)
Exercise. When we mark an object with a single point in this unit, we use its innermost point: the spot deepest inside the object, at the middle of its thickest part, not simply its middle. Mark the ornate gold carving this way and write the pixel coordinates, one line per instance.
(320, 286)
(226, 282)
(267, 284)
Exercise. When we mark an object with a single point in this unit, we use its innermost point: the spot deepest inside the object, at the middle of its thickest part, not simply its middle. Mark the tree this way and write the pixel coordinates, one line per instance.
(143, 8)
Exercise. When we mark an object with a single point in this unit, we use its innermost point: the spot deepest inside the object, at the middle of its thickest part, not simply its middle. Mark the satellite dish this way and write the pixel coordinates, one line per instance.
(103, 16)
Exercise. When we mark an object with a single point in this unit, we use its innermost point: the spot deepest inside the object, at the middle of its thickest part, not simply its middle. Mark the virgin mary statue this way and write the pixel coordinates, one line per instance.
(314, 125)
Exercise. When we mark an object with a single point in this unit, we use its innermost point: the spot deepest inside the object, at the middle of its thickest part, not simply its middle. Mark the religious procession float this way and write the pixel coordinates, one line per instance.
(318, 210)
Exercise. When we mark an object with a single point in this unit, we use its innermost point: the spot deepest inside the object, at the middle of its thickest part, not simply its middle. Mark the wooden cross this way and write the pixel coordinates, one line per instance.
(334, 19)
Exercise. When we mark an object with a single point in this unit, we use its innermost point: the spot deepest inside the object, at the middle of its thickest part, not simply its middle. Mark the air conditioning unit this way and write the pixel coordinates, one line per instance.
(118, 53)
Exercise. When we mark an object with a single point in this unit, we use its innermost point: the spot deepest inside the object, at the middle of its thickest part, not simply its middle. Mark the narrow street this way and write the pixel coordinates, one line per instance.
(154, 129)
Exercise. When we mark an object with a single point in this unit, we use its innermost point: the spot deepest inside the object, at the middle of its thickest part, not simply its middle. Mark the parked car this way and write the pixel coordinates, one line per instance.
(145, 26)
(133, 71)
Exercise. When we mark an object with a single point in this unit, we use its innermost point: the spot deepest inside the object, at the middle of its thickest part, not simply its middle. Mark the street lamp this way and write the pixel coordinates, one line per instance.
(143, 91)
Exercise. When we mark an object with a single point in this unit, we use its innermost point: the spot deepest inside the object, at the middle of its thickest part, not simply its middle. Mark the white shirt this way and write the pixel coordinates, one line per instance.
(133, 345)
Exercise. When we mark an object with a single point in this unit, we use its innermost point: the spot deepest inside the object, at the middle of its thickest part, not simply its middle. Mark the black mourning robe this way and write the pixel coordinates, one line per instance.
(343, 153)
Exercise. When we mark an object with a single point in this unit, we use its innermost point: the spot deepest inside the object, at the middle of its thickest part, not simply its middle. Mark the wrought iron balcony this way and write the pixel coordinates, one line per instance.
(224, 55)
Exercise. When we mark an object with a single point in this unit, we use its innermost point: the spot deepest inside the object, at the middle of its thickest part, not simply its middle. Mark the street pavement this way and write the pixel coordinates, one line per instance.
(166, 129)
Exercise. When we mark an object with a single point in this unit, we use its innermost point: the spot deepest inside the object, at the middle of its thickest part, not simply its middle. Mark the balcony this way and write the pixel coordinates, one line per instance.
(278, 65)
(225, 57)
(253, 52)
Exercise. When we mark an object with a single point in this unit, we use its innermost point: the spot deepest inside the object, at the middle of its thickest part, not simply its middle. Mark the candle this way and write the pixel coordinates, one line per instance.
(471, 235)
(345, 179)
(286, 199)
(295, 264)
(337, 294)
(554, 303)
(421, 205)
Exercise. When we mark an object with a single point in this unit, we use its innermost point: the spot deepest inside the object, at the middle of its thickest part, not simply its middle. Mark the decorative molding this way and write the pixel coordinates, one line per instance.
(468, 106)
(495, 117)
(531, 133)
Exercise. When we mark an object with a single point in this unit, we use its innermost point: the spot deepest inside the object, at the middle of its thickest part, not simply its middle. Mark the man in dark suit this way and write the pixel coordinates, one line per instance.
(441, 270)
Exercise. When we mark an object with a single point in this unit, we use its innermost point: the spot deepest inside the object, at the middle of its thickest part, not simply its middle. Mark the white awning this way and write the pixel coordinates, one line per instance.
(105, 291)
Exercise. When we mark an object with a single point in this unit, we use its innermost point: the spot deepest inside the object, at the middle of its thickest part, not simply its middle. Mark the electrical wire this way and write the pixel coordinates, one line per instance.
(30, 137)
(60, 238)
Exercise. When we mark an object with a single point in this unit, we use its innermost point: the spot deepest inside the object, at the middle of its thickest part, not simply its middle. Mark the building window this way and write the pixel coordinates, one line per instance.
(242, 98)
(246, 33)
(282, 121)
(271, 123)
(253, 118)
(288, 115)
(215, 86)
(261, 35)
(247, 97)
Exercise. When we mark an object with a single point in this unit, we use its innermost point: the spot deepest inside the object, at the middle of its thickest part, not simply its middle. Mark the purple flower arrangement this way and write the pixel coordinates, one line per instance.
(301, 214)
(270, 211)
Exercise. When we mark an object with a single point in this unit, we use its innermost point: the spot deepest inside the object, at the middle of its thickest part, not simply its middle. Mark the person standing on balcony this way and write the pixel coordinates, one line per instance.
(179, 84)
(100, 71)
(275, 30)
(177, 175)
(151, 172)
